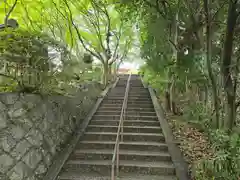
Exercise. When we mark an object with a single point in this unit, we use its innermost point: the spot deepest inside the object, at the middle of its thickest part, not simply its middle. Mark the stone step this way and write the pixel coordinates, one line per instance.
(115, 94)
(138, 88)
(118, 105)
(117, 117)
(135, 103)
(120, 91)
(135, 96)
(134, 129)
(137, 145)
(110, 136)
(102, 108)
(134, 113)
(141, 109)
(103, 167)
(107, 105)
(149, 105)
(138, 98)
(106, 117)
(149, 137)
(101, 112)
(138, 91)
(126, 122)
(123, 176)
(129, 176)
(112, 102)
(109, 109)
(85, 176)
(141, 100)
(107, 154)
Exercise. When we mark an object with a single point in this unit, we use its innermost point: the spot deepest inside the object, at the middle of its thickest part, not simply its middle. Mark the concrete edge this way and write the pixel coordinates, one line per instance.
(62, 157)
(175, 152)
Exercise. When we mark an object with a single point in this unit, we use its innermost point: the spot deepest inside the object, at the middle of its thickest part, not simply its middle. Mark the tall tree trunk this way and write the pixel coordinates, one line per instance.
(115, 70)
(209, 63)
(167, 99)
(173, 95)
(105, 74)
(227, 63)
(110, 72)
(174, 59)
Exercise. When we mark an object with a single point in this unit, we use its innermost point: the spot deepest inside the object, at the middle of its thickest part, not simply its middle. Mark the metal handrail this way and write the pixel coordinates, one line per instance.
(115, 158)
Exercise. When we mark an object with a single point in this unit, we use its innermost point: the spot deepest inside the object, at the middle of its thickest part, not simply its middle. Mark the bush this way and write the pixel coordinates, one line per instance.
(225, 165)
(197, 114)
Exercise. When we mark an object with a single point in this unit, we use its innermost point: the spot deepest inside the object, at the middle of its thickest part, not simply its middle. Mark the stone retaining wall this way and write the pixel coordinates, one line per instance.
(33, 129)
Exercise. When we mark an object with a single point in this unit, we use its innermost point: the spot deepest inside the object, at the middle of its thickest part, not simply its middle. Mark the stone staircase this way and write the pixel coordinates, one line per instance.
(143, 152)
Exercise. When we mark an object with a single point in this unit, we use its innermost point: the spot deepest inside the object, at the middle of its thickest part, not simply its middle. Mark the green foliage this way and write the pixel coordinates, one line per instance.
(29, 68)
(197, 114)
(226, 163)
(25, 57)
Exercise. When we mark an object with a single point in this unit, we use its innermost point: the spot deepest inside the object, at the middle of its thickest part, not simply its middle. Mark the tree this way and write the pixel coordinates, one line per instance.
(98, 32)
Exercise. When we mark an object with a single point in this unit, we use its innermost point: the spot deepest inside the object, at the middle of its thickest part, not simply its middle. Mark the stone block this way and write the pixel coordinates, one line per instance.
(47, 159)
(36, 114)
(17, 132)
(20, 172)
(24, 122)
(9, 98)
(32, 158)
(35, 137)
(50, 116)
(3, 120)
(32, 178)
(21, 148)
(15, 113)
(5, 162)
(18, 105)
(7, 142)
(41, 169)
(2, 107)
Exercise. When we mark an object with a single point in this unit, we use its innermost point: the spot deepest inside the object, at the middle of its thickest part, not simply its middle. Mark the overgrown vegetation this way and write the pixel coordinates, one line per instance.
(191, 50)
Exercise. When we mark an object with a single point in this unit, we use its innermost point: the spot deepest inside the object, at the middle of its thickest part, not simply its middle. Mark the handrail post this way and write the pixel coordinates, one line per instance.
(112, 174)
(117, 168)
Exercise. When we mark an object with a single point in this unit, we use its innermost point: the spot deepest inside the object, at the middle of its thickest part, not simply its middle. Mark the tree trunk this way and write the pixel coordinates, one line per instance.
(115, 70)
(167, 100)
(227, 66)
(173, 96)
(174, 59)
(205, 95)
(231, 113)
(209, 63)
(105, 74)
(110, 72)
(168, 92)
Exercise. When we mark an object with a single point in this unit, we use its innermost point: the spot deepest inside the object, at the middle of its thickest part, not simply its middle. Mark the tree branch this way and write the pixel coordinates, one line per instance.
(9, 13)
(118, 38)
(98, 56)
(174, 45)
